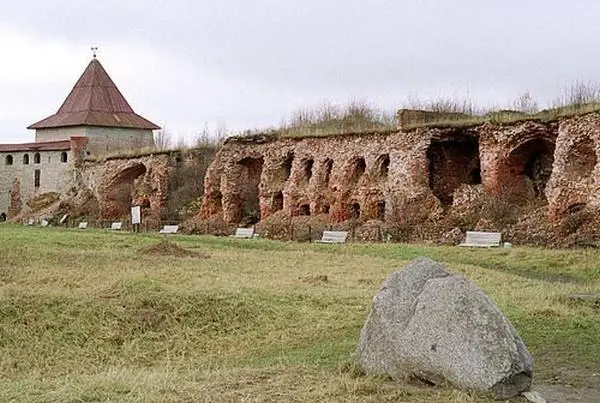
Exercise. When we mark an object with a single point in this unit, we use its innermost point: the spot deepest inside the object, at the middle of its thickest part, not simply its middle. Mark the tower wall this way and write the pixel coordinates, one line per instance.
(102, 140)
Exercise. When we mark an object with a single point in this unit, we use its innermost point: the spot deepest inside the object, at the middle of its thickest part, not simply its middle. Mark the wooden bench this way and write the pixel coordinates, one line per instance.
(476, 239)
(334, 237)
(83, 225)
(116, 226)
(169, 229)
(246, 233)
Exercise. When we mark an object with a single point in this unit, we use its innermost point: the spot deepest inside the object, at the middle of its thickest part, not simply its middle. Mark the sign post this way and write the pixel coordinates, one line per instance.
(136, 217)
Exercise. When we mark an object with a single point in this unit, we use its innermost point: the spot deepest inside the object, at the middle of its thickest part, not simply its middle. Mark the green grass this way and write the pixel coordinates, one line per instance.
(86, 316)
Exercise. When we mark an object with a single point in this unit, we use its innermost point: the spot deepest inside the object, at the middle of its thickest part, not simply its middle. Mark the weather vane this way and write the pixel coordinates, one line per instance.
(94, 49)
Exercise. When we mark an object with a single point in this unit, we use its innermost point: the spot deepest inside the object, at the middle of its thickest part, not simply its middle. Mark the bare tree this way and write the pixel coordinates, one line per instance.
(181, 142)
(578, 94)
(525, 103)
(162, 139)
(206, 138)
(444, 105)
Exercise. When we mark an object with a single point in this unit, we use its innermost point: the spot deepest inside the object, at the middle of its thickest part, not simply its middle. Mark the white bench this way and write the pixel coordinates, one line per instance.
(334, 237)
(29, 222)
(116, 226)
(246, 233)
(45, 223)
(476, 239)
(169, 229)
(83, 225)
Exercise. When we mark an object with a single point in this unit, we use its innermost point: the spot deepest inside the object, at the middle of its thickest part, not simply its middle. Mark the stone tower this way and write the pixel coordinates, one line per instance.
(96, 109)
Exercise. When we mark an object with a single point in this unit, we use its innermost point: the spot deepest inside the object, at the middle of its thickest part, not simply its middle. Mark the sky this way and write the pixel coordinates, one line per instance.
(249, 64)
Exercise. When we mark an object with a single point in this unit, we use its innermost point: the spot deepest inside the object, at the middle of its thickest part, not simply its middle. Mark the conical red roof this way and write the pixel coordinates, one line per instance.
(95, 100)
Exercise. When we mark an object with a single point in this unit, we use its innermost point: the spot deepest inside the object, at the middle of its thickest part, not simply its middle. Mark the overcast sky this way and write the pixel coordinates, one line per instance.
(248, 64)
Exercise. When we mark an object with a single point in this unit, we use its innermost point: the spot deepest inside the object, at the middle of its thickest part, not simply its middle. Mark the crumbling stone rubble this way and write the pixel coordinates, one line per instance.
(395, 176)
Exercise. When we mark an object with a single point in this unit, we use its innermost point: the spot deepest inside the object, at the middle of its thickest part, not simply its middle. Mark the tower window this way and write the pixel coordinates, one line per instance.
(36, 158)
(26, 159)
(36, 178)
(63, 157)
(9, 160)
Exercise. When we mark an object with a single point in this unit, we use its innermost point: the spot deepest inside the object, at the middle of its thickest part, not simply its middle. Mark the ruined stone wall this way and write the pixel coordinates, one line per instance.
(387, 176)
(517, 159)
(164, 184)
(573, 184)
(342, 176)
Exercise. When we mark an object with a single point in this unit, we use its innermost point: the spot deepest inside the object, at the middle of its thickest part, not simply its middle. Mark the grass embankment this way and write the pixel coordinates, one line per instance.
(95, 316)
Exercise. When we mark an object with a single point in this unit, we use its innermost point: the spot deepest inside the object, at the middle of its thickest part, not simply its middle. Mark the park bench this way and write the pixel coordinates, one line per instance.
(477, 239)
(246, 233)
(83, 225)
(334, 237)
(169, 229)
(116, 226)
(45, 223)
(29, 222)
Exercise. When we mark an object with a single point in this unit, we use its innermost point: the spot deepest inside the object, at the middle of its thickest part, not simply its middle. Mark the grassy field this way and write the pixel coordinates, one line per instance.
(95, 316)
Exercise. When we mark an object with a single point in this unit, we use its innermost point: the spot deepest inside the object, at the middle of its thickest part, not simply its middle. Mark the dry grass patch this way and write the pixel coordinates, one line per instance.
(84, 316)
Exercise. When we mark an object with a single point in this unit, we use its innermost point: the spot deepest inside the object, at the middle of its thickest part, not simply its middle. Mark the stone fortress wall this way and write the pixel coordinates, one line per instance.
(28, 173)
(384, 175)
(163, 183)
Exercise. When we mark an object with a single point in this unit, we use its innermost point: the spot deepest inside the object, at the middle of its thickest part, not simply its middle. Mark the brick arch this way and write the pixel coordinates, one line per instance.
(453, 161)
(116, 192)
(247, 207)
(528, 167)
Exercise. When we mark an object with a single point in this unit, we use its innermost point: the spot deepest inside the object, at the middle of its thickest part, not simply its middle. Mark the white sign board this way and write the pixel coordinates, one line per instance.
(136, 215)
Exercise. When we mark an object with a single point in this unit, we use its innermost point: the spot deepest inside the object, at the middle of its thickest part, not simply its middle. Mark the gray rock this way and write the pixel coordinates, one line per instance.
(428, 324)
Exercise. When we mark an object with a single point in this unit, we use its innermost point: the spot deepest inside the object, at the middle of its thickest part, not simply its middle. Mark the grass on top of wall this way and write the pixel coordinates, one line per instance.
(357, 117)
(147, 151)
(510, 117)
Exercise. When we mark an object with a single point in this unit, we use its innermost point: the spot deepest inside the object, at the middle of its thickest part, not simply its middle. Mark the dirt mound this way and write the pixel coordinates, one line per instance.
(315, 280)
(167, 248)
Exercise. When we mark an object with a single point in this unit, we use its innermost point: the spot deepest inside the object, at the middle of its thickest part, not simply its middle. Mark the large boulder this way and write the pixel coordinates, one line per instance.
(428, 324)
